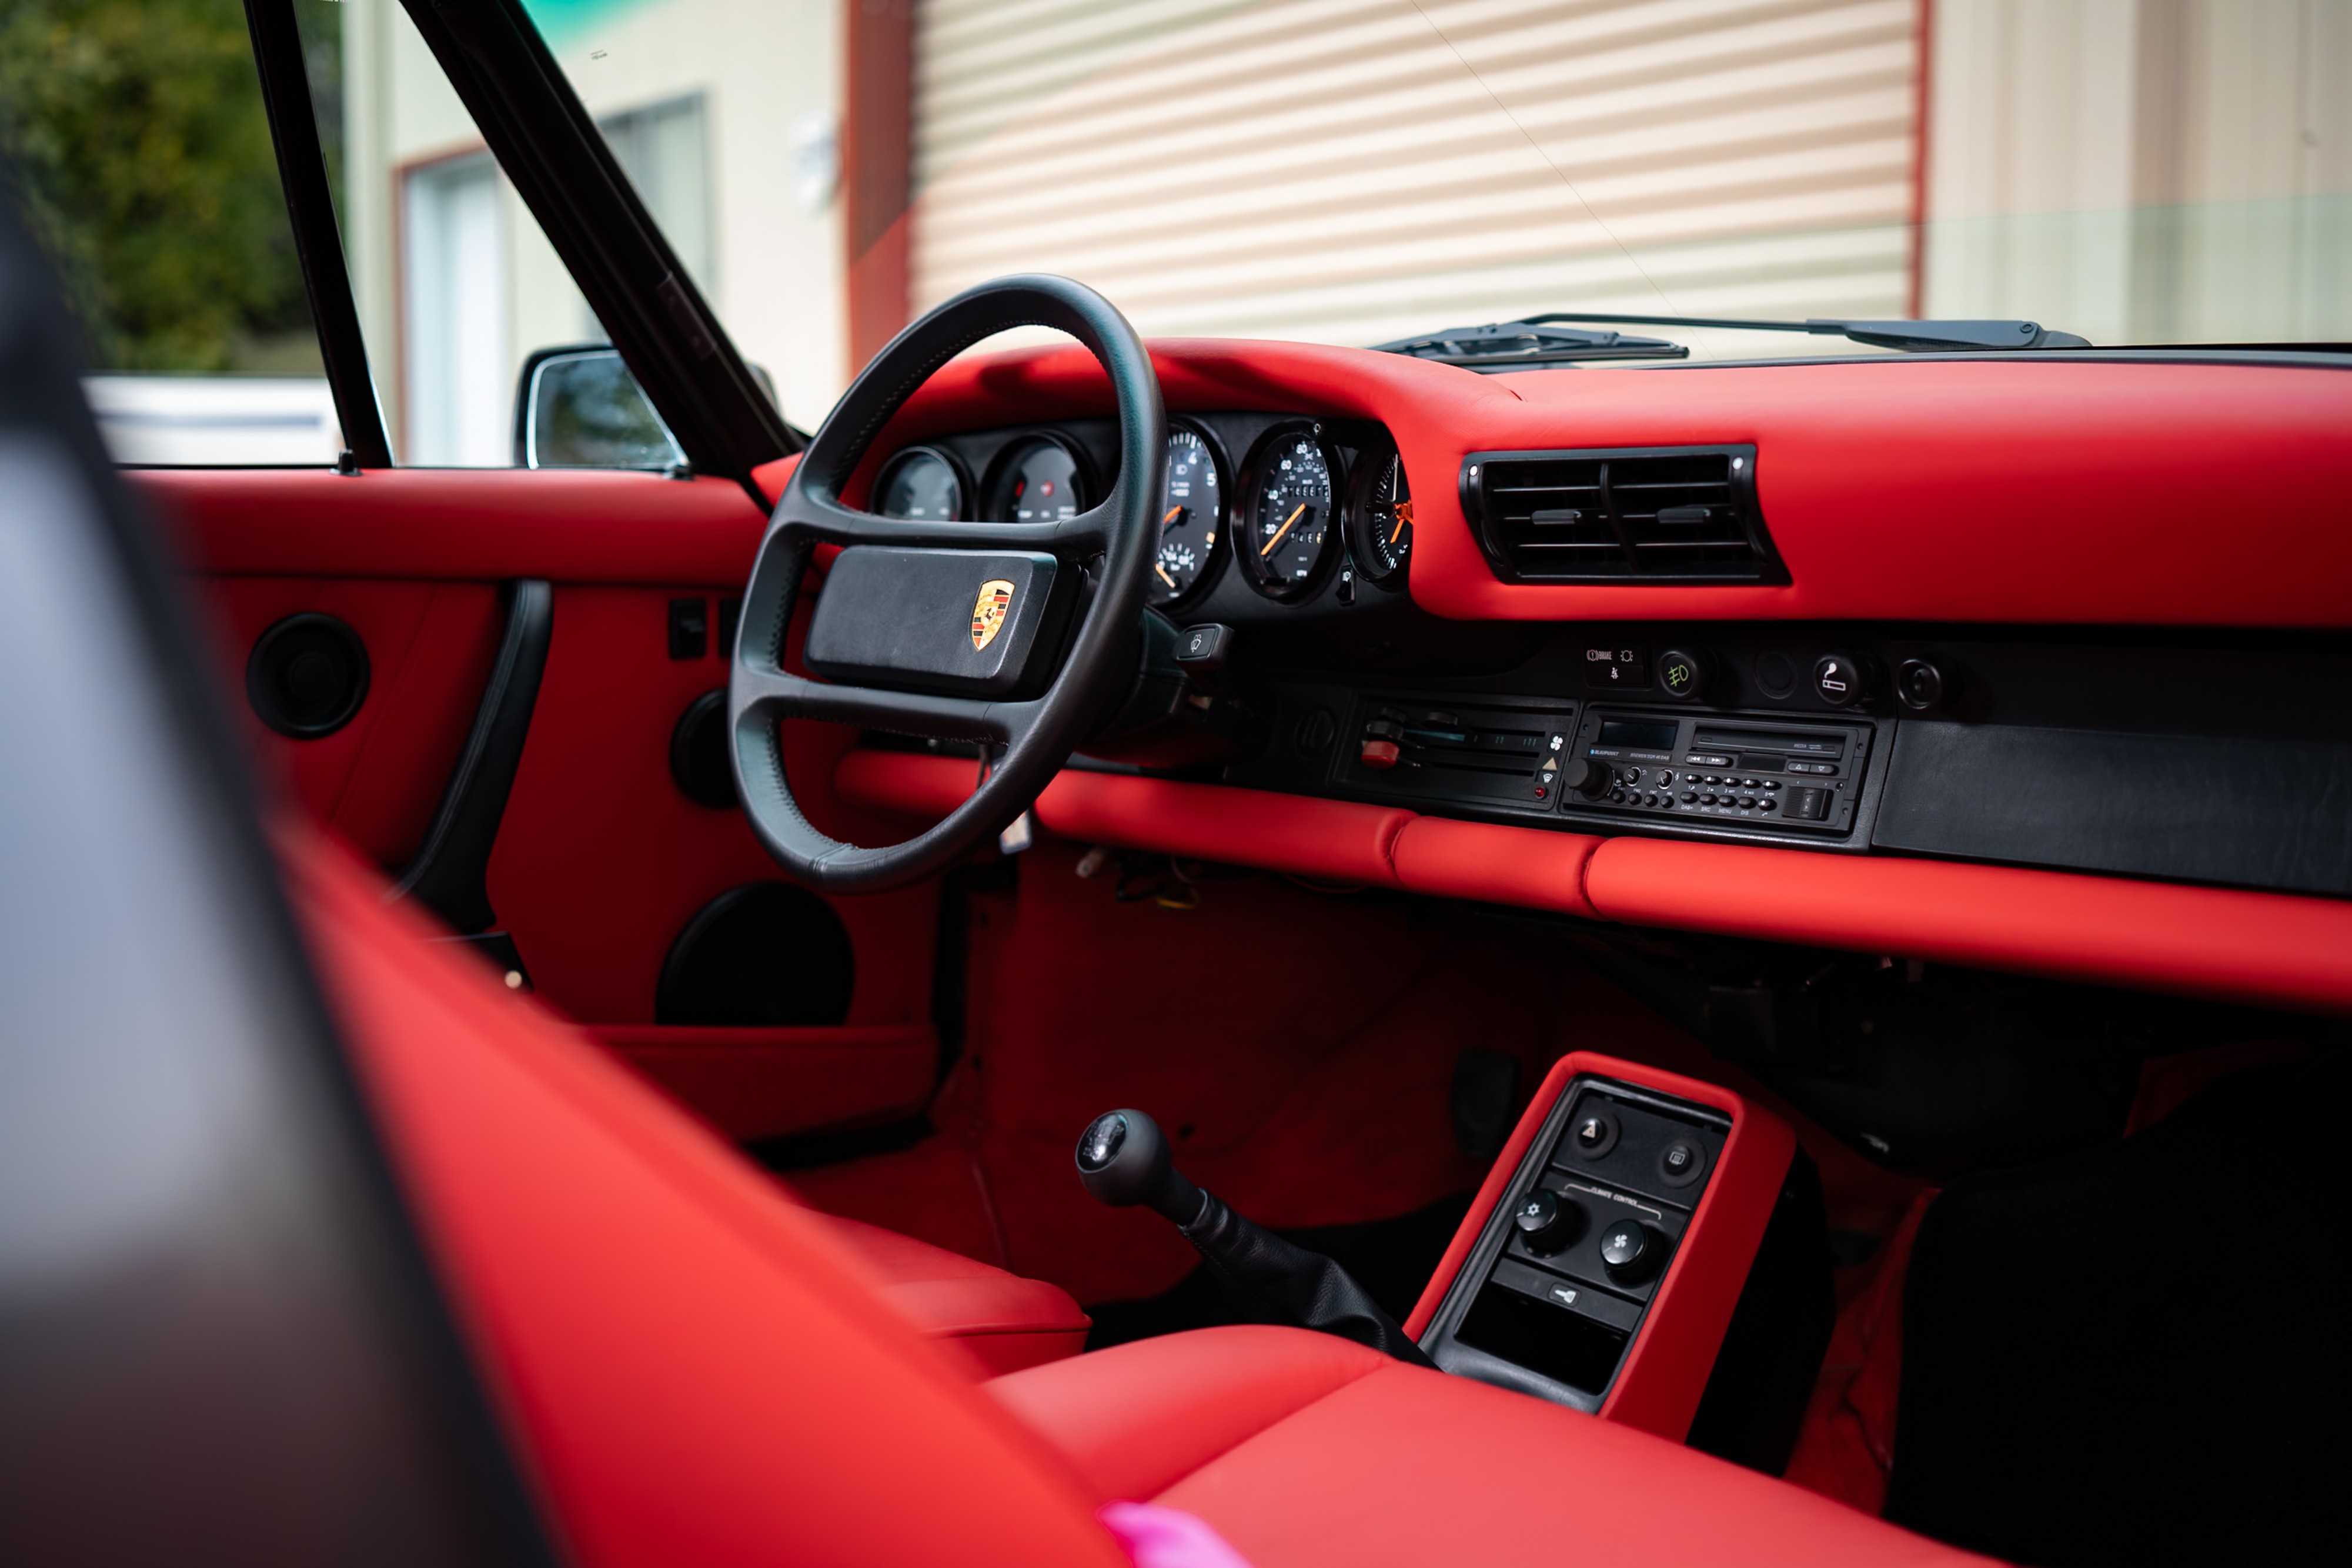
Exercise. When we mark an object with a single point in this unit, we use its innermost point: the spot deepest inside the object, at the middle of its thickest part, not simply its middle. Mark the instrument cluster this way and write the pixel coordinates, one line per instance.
(1312, 506)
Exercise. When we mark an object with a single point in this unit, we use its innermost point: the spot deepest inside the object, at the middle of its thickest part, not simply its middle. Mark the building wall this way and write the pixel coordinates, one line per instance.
(1347, 171)
(2143, 170)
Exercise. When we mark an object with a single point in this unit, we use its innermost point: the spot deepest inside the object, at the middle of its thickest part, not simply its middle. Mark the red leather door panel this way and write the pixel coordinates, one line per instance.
(375, 781)
(599, 859)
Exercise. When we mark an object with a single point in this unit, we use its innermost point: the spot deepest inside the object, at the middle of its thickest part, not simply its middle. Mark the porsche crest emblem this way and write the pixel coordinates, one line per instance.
(988, 611)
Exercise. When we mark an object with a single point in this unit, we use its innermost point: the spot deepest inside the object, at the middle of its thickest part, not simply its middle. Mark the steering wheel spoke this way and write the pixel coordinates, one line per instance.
(821, 521)
(1035, 736)
(767, 695)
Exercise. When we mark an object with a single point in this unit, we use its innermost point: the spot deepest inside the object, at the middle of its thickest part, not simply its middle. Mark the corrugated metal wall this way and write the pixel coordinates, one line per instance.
(1350, 172)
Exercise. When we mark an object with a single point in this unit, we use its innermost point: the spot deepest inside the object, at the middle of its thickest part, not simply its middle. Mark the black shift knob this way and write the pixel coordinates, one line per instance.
(1123, 1160)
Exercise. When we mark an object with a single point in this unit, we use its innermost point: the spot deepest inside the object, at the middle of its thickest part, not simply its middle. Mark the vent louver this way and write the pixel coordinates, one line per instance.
(1683, 513)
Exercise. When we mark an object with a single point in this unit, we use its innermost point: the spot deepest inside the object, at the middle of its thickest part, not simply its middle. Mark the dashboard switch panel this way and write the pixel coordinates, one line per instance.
(1565, 1272)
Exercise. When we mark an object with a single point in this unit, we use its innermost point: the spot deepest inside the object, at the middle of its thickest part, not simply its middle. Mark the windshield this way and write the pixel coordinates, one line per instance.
(1361, 173)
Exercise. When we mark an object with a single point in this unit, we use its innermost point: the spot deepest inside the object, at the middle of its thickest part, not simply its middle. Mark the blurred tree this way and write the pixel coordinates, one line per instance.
(136, 136)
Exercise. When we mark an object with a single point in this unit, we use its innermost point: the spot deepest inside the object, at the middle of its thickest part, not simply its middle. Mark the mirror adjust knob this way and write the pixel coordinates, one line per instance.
(1587, 778)
(1633, 1251)
(1546, 1221)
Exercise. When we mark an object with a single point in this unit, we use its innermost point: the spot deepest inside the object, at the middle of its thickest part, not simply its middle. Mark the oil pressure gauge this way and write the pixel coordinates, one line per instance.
(1191, 517)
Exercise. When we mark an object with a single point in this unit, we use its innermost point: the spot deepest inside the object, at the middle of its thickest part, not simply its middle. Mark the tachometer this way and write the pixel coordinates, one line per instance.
(1191, 517)
(1381, 519)
(1038, 480)
(1286, 516)
(919, 485)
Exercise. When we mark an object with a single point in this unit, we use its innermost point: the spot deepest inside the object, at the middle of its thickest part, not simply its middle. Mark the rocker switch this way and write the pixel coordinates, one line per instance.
(1202, 650)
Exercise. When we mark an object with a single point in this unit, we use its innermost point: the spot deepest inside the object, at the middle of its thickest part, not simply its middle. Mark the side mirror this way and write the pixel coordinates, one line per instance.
(579, 407)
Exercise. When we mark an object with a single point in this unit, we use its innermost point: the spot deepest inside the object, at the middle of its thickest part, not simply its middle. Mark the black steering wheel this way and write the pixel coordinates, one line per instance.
(950, 631)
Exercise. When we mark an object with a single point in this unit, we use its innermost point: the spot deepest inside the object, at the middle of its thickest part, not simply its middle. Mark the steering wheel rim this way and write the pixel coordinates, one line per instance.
(1036, 735)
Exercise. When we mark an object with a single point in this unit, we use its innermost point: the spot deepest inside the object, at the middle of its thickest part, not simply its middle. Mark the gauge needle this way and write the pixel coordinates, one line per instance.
(1174, 512)
(1163, 574)
(1404, 520)
(1284, 529)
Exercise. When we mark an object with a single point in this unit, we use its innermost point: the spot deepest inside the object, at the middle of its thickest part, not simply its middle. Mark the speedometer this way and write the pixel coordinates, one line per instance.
(1286, 516)
(1191, 517)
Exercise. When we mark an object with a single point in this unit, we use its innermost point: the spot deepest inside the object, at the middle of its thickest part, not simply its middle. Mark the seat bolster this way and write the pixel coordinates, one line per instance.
(1137, 1418)
(1408, 1466)
(1000, 1320)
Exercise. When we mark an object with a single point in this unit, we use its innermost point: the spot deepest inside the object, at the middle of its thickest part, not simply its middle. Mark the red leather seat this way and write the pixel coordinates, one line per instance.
(1003, 1321)
(1303, 1448)
(699, 1371)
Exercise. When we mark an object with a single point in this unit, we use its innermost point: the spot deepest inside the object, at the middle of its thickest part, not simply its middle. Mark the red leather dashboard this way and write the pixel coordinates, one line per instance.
(2081, 490)
(2043, 491)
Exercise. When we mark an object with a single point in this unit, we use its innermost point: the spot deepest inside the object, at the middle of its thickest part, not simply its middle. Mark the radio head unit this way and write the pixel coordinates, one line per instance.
(1801, 776)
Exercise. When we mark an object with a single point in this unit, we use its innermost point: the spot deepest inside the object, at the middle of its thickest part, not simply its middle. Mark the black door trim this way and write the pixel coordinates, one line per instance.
(450, 872)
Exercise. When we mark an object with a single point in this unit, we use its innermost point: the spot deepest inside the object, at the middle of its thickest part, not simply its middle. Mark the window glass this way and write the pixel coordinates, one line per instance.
(135, 134)
(457, 288)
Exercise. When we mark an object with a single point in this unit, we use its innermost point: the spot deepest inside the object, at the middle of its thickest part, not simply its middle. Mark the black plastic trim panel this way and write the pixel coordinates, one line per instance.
(2269, 813)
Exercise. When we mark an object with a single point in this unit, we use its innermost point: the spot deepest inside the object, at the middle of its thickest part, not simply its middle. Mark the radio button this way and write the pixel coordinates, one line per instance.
(1809, 802)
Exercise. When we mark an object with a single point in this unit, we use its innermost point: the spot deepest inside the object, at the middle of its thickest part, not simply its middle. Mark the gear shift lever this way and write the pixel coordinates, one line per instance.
(1123, 1160)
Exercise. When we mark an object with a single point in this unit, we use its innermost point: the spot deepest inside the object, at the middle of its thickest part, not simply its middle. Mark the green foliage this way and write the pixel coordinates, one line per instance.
(136, 135)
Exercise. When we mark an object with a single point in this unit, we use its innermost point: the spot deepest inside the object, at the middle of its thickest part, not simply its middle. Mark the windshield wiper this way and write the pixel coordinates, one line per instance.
(1547, 340)
(1520, 345)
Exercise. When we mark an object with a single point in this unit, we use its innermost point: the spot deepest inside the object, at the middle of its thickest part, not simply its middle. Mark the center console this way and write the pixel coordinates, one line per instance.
(1648, 1247)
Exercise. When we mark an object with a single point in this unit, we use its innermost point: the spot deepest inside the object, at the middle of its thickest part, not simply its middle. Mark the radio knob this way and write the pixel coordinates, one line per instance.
(1587, 778)
(1685, 673)
(1839, 679)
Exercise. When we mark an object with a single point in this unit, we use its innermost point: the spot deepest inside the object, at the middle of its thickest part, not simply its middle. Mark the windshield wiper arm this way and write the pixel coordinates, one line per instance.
(1522, 345)
(1911, 337)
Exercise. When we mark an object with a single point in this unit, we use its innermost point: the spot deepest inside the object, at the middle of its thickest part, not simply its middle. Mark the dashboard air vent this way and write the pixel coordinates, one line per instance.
(1658, 514)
